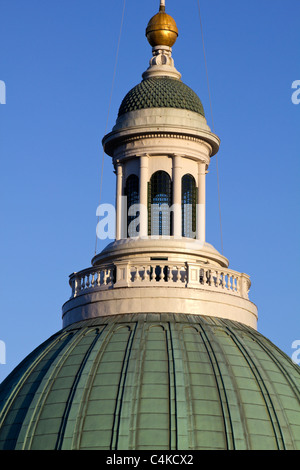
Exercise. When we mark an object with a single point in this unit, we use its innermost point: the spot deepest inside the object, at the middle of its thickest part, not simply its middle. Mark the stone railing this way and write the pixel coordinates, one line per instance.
(163, 274)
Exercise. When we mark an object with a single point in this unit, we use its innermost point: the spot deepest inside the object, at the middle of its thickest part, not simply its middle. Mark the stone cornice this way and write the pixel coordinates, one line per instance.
(112, 140)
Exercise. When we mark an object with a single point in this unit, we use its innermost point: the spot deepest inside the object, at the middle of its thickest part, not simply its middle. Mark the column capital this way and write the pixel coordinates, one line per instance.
(202, 167)
(144, 159)
(142, 155)
(177, 160)
(177, 155)
(118, 165)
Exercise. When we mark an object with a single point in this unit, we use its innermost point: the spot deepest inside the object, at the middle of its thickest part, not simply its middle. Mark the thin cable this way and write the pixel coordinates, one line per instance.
(213, 125)
(109, 106)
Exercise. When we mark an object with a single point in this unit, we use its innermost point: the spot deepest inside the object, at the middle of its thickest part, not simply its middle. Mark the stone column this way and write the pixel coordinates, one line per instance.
(201, 202)
(119, 200)
(143, 196)
(177, 217)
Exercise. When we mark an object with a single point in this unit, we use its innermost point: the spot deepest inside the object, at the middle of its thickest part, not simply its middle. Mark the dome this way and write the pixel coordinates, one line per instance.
(161, 92)
(155, 381)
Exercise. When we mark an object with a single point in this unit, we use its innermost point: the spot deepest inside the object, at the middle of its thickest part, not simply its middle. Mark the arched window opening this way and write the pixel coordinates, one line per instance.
(132, 193)
(159, 204)
(188, 206)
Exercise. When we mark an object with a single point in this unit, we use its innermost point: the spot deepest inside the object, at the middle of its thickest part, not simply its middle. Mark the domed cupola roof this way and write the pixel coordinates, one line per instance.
(161, 102)
(161, 92)
(161, 87)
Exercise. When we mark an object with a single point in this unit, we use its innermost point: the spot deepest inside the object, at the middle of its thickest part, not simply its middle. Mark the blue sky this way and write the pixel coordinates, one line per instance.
(57, 61)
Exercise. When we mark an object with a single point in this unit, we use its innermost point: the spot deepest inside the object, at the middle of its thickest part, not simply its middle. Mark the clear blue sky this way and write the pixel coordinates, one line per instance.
(57, 61)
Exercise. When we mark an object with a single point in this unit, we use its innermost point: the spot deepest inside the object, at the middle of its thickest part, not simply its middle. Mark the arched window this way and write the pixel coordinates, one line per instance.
(159, 203)
(188, 206)
(132, 193)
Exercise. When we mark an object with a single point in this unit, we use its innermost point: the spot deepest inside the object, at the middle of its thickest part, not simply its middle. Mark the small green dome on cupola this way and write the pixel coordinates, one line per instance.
(161, 92)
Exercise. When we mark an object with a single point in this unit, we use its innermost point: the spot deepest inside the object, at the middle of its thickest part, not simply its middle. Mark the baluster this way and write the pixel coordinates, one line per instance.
(93, 280)
(77, 285)
(217, 279)
(238, 284)
(213, 281)
(98, 277)
(137, 277)
(102, 277)
(111, 276)
(228, 281)
(177, 274)
(73, 287)
(82, 282)
(147, 273)
(108, 276)
(169, 274)
(185, 274)
(223, 280)
(205, 277)
(107, 279)
(161, 274)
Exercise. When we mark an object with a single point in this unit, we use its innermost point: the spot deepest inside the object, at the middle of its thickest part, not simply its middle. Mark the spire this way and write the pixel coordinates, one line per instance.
(162, 6)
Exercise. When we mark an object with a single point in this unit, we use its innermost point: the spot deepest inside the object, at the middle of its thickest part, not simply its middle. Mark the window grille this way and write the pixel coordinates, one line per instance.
(132, 193)
(188, 206)
(159, 203)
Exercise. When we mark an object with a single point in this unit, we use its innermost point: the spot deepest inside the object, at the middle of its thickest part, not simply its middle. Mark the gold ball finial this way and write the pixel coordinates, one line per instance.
(162, 29)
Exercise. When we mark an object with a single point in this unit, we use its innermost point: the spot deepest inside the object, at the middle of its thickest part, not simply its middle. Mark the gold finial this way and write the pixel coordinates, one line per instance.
(162, 29)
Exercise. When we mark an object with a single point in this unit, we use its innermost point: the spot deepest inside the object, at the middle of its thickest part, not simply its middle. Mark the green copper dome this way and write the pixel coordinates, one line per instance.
(161, 92)
(154, 381)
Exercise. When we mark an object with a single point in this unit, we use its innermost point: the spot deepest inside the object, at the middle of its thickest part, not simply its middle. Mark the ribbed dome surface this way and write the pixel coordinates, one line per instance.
(155, 381)
(161, 92)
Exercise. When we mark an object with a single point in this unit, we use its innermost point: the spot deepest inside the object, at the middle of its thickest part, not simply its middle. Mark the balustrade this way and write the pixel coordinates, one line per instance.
(92, 278)
(190, 275)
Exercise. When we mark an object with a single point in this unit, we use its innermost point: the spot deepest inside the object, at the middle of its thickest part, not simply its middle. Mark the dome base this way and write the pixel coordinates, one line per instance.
(165, 275)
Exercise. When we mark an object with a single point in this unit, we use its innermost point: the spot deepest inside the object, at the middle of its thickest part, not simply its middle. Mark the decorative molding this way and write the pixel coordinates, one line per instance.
(164, 135)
